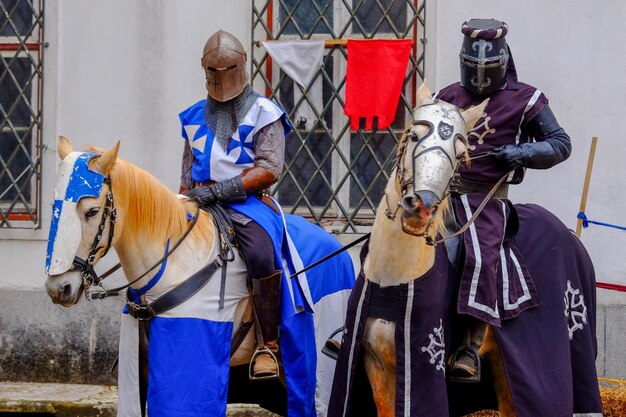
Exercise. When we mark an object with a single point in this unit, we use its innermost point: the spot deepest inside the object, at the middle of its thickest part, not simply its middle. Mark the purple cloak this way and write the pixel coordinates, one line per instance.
(548, 352)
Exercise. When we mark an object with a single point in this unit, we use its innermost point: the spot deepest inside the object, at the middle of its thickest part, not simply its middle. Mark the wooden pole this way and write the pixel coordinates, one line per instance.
(329, 43)
(583, 199)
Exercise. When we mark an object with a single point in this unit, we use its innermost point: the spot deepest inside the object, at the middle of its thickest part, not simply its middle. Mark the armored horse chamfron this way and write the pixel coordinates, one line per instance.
(402, 319)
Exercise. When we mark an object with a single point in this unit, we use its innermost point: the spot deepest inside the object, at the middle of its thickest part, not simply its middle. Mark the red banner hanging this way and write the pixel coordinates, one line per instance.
(376, 71)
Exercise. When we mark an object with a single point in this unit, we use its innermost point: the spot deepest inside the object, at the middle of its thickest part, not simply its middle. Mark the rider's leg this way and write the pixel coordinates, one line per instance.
(465, 366)
(258, 251)
(479, 280)
(266, 294)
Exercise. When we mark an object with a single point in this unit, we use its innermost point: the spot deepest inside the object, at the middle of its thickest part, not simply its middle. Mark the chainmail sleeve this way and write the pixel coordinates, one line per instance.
(269, 148)
(185, 172)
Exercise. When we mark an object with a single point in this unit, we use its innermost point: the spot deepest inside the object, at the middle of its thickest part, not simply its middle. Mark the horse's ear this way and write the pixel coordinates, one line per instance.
(104, 163)
(64, 147)
(473, 114)
(423, 94)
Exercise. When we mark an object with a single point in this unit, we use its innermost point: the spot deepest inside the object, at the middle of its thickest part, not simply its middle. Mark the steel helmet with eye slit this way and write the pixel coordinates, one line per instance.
(224, 63)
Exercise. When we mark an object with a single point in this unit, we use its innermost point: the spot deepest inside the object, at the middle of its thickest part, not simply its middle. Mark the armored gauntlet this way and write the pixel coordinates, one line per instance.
(552, 145)
(228, 191)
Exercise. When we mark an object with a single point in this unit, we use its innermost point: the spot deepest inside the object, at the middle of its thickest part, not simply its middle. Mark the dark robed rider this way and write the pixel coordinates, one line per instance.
(234, 150)
(518, 131)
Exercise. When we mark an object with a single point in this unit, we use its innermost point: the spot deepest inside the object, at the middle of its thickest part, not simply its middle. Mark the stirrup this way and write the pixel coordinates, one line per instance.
(255, 355)
(331, 347)
(472, 352)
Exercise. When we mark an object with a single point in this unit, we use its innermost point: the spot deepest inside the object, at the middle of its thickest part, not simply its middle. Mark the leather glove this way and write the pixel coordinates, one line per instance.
(552, 145)
(228, 191)
(510, 156)
(537, 155)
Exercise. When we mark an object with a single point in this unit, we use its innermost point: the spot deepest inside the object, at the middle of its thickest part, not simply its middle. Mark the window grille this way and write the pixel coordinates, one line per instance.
(21, 82)
(334, 175)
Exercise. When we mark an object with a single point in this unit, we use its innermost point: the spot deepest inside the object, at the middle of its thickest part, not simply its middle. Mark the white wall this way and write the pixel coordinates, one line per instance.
(129, 68)
(572, 50)
(120, 70)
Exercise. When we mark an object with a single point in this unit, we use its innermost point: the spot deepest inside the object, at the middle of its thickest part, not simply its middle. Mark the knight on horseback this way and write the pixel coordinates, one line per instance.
(234, 151)
(518, 131)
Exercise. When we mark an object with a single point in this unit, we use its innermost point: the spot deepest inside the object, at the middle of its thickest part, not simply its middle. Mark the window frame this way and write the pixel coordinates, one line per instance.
(25, 213)
(267, 75)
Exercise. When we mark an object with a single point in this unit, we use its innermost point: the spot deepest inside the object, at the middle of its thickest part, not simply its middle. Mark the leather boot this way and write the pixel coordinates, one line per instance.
(465, 362)
(266, 298)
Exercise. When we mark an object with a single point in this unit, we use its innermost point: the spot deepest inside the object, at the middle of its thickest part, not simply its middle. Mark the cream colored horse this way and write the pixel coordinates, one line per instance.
(409, 256)
(149, 221)
(141, 235)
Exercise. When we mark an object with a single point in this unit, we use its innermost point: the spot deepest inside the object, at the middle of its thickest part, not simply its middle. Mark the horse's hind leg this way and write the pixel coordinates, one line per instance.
(380, 364)
(490, 351)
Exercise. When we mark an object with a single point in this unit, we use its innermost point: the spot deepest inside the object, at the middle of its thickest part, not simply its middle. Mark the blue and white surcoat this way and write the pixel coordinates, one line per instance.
(211, 161)
(313, 303)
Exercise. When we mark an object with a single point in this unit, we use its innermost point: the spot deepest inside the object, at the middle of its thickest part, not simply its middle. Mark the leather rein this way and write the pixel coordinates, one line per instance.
(90, 278)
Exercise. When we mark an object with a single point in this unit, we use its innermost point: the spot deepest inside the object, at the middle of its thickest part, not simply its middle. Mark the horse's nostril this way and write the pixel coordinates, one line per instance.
(65, 292)
(409, 203)
(429, 199)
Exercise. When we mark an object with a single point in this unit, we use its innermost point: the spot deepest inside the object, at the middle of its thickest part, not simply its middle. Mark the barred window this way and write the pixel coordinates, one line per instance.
(334, 175)
(21, 78)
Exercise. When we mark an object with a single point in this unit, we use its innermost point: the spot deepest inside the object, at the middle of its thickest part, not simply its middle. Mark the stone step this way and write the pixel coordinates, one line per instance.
(78, 400)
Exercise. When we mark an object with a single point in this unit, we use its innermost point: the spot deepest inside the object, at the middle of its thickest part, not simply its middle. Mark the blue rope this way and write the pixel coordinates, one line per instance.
(586, 222)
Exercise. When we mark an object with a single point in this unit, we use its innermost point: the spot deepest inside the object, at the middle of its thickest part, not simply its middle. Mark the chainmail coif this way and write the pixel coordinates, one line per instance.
(224, 117)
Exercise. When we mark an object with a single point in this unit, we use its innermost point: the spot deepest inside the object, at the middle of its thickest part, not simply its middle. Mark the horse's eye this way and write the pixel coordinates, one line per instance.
(92, 212)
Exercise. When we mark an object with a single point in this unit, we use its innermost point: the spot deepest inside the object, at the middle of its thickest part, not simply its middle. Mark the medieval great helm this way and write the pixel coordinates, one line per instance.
(484, 55)
(224, 62)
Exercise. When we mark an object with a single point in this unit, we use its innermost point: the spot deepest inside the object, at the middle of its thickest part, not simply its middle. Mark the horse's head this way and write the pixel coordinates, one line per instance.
(428, 157)
(81, 231)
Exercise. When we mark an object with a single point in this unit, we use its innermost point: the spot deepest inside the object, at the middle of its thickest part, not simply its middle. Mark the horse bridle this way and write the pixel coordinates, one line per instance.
(85, 266)
(404, 183)
(410, 135)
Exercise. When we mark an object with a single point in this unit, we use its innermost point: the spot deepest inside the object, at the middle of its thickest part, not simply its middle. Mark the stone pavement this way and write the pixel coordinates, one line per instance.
(78, 400)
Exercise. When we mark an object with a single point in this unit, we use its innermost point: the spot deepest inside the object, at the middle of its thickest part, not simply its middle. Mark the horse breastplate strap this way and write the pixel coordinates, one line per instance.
(384, 302)
(175, 296)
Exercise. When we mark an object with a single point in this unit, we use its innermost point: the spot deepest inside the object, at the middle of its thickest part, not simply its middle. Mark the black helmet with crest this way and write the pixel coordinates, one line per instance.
(484, 55)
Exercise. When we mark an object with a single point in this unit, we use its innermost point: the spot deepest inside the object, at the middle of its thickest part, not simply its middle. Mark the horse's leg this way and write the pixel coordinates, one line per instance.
(490, 351)
(380, 363)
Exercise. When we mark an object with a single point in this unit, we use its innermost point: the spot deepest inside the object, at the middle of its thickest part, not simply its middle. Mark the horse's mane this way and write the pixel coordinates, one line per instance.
(149, 205)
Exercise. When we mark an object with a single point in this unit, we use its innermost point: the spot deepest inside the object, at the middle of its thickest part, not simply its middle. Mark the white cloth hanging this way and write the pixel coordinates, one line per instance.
(301, 60)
